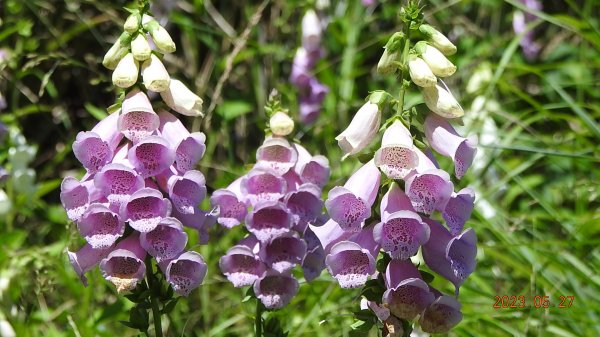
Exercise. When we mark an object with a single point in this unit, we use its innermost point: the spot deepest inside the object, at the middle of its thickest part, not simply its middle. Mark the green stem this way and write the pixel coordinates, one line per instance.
(151, 279)
(258, 319)
(404, 59)
(156, 317)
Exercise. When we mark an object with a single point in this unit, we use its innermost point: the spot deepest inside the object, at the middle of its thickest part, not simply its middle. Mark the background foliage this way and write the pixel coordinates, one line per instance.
(537, 178)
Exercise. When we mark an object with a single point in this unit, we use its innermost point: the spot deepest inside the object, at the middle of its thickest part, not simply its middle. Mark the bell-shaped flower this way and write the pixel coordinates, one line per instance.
(117, 183)
(350, 205)
(453, 257)
(438, 40)
(311, 30)
(95, 148)
(181, 99)
(381, 312)
(428, 187)
(407, 294)
(312, 169)
(160, 36)
(394, 200)
(117, 51)
(420, 73)
(441, 102)
(269, 219)
(437, 62)
(199, 220)
(262, 184)
(126, 73)
(186, 272)
(75, 197)
(441, 315)
(309, 110)
(284, 252)
(458, 210)
(166, 240)
(155, 75)
(350, 264)
(401, 233)
(241, 266)
(362, 130)
(100, 226)
(187, 191)
(397, 155)
(301, 65)
(137, 119)
(330, 233)
(189, 147)
(276, 154)
(85, 259)
(151, 156)
(124, 266)
(442, 137)
(305, 203)
(232, 210)
(145, 209)
(275, 290)
(140, 48)
(313, 263)
(281, 124)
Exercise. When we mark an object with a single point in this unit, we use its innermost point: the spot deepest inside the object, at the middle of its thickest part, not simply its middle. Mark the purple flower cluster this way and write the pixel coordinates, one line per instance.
(283, 192)
(531, 49)
(311, 91)
(353, 237)
(139, 191)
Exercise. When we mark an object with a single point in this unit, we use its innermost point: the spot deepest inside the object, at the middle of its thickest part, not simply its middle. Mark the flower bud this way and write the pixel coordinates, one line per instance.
(154, 74)
(311, 31)
(442, 102)
(361, 131)
(118, 50)
(281, 124)
(438, 40)
(126, 72)
(132, 24)
(420, 73)
(391, 55)
(161, 37)
(181, 99)
(140, 48)
(437, 62)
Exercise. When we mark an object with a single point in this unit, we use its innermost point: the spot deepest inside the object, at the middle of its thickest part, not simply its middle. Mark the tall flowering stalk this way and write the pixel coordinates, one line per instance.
(380, 222)
(275, 201)
(140, 188)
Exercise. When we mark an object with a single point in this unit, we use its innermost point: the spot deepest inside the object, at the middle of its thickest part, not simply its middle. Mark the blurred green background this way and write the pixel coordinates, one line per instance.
(537, 176)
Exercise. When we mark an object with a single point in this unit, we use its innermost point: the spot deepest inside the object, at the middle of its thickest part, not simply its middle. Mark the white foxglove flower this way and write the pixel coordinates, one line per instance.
(161, 37)
(118, 50)
(420, 73)
(441, 102)
(438, 40)
(437, 62)
(140, 48)
(281, 124)
(361, 131)
(311, 31)
(154, 74)
(181, 99)
(126, 72)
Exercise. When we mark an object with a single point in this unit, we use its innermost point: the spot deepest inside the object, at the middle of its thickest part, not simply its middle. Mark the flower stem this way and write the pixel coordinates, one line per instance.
(258, 319)
(400, 108)
(152, 285)
(156, 317)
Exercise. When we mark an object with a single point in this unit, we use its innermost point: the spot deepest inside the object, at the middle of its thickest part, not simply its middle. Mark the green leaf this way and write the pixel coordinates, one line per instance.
(98, 113)
(230, 110)
(170, 306)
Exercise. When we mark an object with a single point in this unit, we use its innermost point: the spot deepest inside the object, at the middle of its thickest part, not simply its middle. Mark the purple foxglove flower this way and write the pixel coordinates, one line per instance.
(100, 226)
(458, 210)
(300, 75)
(268, 220)
(166, 240)
(381, 312)
(137, 119)
(124, 266)
(330, 233)
(261, 184)
(451, 257)
(362, 130)
(189, 147)
(95, 148)
(317, 90)
(284, 252)
(151, 156)
(187, 191)
(275, 290)
(199, 220)
(350, 205)
(232, 211)
(145, 209)
(429, 191)
(350, 264)
(312, 169)
(85, 259)
(407, 294)
(75, 197)
(313, 263)
(443, 138)
(394, 200)
(117, 183)
(293, 181)
(441, 316)
(241, 266)
(531, 49)
(186, 272)
(311, 31)
(309, 111)
(305, 203)
(276, 154)
(401, 233)
(397, 156)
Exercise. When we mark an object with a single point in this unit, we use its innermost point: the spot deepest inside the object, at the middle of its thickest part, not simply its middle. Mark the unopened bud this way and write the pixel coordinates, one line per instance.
(132, 24)
(420, 73)
(281, 124)
(438, 40)
(161, 37)
(388, 63)
(181, 99)
(126, 73)
(140, 48)
(441, 102)
(437, 62)
(154, 74)
(118, 50)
